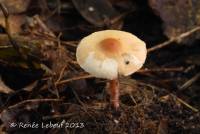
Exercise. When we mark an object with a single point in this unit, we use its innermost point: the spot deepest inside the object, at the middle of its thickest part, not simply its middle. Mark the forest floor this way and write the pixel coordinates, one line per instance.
(42, 86)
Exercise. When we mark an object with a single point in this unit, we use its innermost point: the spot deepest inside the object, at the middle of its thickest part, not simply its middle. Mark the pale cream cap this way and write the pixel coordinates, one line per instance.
(109, 53)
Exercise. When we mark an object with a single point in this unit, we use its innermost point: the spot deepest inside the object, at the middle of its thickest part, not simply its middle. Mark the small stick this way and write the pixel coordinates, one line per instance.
(175, 69)
(185, 103)
(180, 37)
(61, 73)
(52, 38)
(74, 78)
(190, 82)
(78, 99)
(132, 98)
(43, 26)
(67, 115)
(33, 101)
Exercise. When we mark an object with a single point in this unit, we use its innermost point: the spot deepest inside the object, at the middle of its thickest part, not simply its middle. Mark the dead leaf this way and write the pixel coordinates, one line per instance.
(16, 6)
(178, 16)
(97, 12)
(15, 23)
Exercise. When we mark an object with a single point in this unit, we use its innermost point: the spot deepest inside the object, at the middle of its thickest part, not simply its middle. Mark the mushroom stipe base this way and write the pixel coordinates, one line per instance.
(114, 92)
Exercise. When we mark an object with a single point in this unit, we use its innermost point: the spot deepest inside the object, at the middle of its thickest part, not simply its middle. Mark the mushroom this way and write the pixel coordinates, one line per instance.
(110, 53)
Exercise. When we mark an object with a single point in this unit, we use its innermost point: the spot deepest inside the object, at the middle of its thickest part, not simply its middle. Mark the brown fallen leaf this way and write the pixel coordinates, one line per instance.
(178, 16)
(97, 12)
(16, 6)
(15, 23)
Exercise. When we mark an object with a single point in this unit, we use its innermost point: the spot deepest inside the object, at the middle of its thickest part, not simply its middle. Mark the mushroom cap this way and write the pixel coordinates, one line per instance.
(109, 53)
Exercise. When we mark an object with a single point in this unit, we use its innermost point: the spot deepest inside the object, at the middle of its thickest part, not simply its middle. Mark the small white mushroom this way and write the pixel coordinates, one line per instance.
(109, 53)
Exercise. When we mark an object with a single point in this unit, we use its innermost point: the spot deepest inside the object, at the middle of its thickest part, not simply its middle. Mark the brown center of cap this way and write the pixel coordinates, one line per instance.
(110, 45)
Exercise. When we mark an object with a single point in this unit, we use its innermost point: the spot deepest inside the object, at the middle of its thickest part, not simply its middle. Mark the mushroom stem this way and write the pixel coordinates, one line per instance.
(114, 92)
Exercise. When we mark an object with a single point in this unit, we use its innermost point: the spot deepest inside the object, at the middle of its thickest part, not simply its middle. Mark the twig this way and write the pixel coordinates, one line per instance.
(59, 116)
(44, 27)
(57, 83)
(185, 103)
(132, 98)
(33, 101)
(61, 73)
(56, 88)
(175, 69)
(73, 62)
(52, 38)
(85, 76)
(120, 16)
(190, 82)
(180, 37)
(78, 99)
